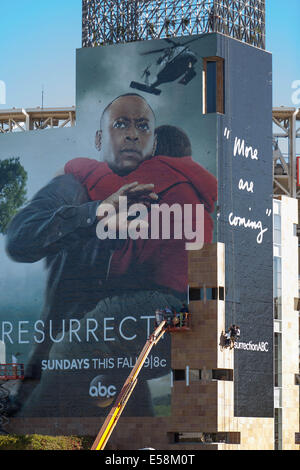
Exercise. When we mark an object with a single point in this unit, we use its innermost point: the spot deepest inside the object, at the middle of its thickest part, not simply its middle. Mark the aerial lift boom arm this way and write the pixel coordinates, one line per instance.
(127, 389)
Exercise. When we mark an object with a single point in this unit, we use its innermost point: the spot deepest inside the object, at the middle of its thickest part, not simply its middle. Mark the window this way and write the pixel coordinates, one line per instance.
(196, 293)
(277, 269)
(195, 375)
(179, 374)
(207, 437)
(277, 229)
(222, 374)
(295, 228)
(277, 287)
(277, 360)
(208, 293)
(211, 293)
(278, 429)
(221, 293)
(296, 303)
(213, 85)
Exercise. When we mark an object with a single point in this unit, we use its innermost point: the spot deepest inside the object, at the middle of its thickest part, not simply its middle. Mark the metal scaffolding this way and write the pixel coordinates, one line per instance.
(20, 120)
(286, 134)
(119, 21)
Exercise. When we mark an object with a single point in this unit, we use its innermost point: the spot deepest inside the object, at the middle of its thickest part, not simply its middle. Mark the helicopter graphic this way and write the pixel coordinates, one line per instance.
(177, 61)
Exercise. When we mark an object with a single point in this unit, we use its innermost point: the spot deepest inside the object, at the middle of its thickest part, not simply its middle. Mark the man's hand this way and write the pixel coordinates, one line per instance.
(135, 193)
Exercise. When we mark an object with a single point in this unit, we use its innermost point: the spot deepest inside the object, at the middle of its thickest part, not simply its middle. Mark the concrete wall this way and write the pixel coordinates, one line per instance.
(290, 323)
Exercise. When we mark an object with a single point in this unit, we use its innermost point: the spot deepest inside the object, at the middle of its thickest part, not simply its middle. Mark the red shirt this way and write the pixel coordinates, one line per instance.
(159, 262)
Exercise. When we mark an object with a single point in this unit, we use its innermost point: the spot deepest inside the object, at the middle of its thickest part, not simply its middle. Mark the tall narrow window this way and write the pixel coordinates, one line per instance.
(277, 359)
(213, 85)
(196, 293)
(211, 293)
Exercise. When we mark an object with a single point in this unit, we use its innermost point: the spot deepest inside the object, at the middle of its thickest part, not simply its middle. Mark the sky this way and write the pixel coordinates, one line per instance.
(39, 39)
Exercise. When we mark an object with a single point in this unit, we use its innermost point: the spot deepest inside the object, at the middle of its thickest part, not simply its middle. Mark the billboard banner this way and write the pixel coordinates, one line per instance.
(245, 223)
(168, 153)
(103, 241)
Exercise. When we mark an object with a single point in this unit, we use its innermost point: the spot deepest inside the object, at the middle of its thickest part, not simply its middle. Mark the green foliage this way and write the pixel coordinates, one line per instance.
(13, 179)
(39, 442)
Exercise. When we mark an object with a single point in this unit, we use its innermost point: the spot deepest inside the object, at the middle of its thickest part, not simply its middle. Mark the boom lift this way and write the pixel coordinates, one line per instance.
(128, 387)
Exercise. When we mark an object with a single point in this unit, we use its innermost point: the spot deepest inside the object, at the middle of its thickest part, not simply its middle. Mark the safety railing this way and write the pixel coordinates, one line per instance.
(11, 371)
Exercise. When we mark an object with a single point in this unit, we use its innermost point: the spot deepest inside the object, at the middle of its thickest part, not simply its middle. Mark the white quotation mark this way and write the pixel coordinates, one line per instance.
(227, 133)
(268, 212)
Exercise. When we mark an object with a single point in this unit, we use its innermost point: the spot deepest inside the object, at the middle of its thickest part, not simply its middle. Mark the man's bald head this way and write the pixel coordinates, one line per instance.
(127, 133)
(123, 96)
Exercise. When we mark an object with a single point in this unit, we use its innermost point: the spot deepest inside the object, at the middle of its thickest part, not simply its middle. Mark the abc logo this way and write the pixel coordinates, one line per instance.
(103, 392)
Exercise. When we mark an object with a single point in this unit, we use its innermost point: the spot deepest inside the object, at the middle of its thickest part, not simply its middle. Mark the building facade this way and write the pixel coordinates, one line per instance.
(195, 393)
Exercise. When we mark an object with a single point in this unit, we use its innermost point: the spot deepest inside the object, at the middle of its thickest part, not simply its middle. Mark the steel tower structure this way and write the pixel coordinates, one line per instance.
(117, 21)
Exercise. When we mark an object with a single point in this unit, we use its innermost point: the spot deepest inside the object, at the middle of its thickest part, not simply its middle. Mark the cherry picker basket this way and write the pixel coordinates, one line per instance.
(11, 372)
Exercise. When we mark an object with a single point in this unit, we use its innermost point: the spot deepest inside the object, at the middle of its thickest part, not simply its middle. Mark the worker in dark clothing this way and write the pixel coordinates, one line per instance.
(227, 336)
(168, 316)
(184, 308)
(233, 334)
(184, 313)
(159, 317)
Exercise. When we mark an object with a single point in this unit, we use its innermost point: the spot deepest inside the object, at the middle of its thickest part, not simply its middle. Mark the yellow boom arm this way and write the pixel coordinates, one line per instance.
(127, 389)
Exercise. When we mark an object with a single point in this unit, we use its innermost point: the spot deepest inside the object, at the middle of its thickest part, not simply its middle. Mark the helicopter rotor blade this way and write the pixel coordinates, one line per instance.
(175, 44)
(188, 42)
(154, 51)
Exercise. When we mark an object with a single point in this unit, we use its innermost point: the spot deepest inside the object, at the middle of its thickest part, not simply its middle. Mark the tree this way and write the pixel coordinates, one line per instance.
(13, 179)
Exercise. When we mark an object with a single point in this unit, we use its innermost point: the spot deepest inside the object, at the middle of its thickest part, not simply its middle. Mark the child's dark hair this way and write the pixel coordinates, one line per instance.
(172, 142)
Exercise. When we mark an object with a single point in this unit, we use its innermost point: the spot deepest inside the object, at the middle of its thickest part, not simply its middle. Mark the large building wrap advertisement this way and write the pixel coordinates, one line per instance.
(113, 207)
(106, 240)
(245, 182)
